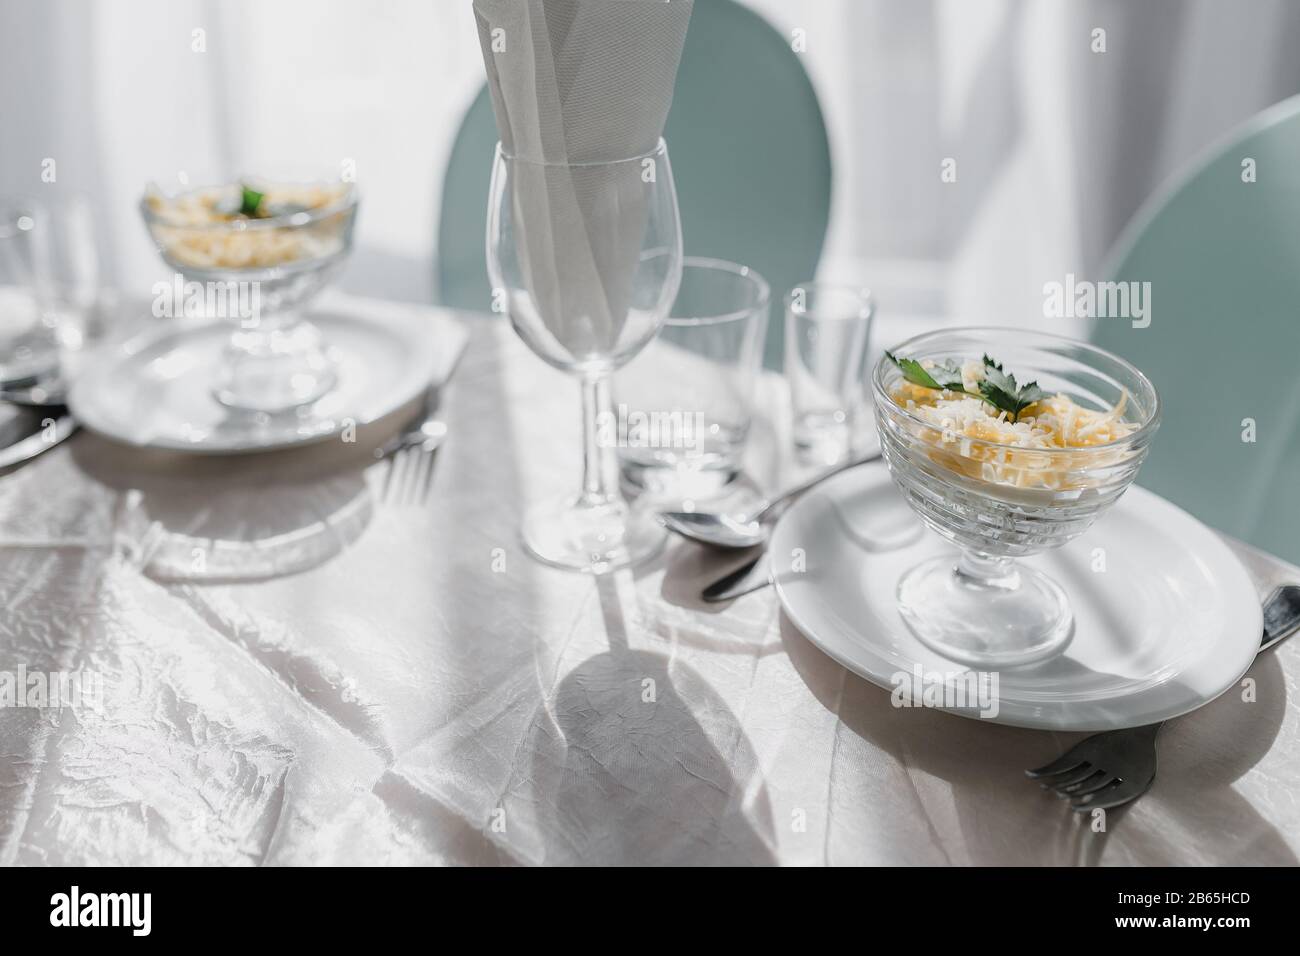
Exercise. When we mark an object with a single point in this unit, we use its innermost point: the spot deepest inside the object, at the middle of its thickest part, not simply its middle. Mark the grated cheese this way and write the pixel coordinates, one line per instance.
(1018, 452)
(243, 248)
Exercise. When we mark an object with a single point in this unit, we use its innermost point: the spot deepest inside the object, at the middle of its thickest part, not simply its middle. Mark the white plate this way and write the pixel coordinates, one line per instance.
(1171, 622)
(154, 389)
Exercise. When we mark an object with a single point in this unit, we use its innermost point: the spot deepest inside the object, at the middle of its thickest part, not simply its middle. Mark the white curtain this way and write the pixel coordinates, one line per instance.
(121, 92)
(1055, 145)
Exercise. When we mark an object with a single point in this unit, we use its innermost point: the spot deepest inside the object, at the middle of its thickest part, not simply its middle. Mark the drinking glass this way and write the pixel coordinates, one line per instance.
(683, 407)
(28, 343)
(826, 332)
(68, 267)
(266, 270)
(588, 257)
(999, 502)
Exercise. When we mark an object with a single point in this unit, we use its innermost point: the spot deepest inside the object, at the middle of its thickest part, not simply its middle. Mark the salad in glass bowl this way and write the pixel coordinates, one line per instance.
(267, 247)
(1007, 443)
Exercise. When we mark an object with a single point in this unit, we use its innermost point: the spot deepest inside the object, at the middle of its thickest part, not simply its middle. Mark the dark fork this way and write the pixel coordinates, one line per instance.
(1111, 769)
(411, 456)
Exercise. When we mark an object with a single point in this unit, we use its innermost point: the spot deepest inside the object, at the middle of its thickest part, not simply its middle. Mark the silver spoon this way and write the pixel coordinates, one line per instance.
(737, 532)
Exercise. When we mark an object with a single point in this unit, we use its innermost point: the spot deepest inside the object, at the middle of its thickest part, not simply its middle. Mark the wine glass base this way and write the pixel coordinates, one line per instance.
(1023, 619)
(594, 539)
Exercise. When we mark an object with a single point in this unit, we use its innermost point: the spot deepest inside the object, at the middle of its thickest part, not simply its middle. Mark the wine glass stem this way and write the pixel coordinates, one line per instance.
(595, 402)
(986, 571)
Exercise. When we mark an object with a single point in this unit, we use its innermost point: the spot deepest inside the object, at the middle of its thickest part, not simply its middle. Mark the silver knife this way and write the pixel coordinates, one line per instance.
(1281, 615)
(748, 577)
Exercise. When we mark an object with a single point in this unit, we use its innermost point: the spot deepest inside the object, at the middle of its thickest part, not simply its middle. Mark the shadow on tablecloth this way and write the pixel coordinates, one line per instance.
(945, 789)
(221, 519)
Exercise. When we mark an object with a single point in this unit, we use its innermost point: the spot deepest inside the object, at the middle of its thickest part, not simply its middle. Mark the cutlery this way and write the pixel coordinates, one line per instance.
(44, 394)
(737, 532)
(411, 455)
(36, 431)
(750, 576)
(1111, 769)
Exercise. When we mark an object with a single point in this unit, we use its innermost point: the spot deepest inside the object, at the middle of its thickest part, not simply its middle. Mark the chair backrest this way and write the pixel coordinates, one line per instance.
(750, 158)
(1222, 253)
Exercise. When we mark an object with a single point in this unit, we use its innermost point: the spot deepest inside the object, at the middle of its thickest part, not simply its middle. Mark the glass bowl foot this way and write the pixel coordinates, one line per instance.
(274, 371)
(985, 612)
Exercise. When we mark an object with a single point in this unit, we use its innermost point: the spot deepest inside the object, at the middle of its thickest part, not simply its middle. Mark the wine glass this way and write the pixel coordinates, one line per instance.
(260, 270)
(588, 257)
(998, 502)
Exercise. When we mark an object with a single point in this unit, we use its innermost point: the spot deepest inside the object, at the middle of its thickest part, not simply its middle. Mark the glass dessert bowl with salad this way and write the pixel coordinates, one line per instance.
(1007, 443)
(267, 248)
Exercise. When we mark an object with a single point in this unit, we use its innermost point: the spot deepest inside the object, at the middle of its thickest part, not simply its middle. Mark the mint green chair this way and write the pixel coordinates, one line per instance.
(749, 152)
(1223, 260)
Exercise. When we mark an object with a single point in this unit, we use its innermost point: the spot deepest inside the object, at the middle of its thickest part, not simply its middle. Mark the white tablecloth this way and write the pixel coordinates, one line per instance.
(296, 672)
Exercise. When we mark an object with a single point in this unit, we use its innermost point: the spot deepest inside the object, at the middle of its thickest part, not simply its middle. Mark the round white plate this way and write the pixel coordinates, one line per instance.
(154, 390)
(1166, 617)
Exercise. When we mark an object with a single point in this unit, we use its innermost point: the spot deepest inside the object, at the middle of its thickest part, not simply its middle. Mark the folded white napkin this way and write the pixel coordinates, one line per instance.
(576, 84)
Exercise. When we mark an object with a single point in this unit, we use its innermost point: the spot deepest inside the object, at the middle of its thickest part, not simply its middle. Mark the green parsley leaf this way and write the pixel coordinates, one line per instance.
(946, 376)
(998, 387)
(250, 201)
(913, 371)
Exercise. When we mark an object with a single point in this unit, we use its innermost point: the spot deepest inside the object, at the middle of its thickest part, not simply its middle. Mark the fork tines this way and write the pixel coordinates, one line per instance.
(410, 477)
(1104, 771)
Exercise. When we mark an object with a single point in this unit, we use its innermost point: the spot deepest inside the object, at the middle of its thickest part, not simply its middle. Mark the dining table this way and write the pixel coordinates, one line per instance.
(299, 665)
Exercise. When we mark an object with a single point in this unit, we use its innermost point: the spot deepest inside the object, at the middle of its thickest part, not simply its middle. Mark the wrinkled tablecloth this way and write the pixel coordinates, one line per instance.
(297, 671)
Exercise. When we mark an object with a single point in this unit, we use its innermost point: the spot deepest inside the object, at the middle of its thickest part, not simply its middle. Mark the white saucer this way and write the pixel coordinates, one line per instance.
(154, 390)
(1172, 622)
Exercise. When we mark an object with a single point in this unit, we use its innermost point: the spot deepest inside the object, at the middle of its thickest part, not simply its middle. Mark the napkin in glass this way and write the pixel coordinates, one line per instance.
(576, 84)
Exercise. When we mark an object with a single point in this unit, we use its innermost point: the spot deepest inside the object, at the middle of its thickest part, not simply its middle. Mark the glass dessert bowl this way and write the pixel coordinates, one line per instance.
(255, 253)
(1007, 443)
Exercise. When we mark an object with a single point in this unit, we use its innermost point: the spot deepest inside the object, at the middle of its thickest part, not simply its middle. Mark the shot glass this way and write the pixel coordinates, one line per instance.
(826, 332)
(684, 406)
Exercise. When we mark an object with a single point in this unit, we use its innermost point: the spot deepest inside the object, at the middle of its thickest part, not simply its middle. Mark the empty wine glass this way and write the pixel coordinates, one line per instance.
(588, 257)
